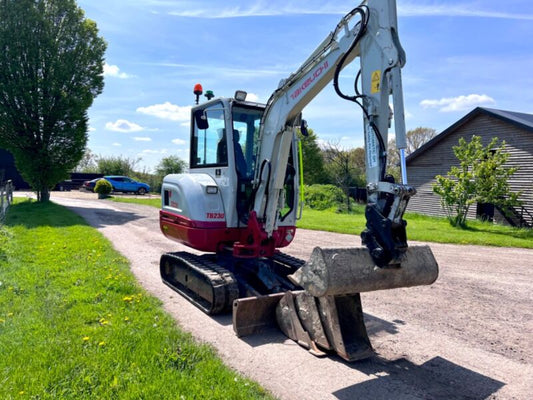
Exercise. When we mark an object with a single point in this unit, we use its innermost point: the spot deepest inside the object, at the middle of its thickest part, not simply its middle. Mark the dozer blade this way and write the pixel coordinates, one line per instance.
(255, 314)
(331, 272)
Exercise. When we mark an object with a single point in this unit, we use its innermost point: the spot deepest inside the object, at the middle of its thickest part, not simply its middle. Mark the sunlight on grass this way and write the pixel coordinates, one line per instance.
(75, 324)
(422, 228)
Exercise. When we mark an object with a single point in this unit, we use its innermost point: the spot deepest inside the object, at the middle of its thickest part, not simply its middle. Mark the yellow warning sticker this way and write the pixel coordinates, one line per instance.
(376, 82)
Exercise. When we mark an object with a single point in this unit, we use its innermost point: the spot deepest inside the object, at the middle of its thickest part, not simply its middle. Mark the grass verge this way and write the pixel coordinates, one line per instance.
(74, 323)
(154, 202)
(423, 228)
(419, 227)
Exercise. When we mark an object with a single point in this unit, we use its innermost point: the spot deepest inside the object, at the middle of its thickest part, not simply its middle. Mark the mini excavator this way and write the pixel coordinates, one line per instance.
(239, 202)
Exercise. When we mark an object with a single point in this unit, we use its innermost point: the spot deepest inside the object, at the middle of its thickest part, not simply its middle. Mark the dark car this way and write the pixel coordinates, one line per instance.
(125, 184)
(89, 185)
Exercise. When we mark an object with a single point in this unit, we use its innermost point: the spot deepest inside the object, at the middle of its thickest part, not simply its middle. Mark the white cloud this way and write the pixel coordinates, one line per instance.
(122, 125)
(448, 10)
(150, 151)
(116, 144)
(459, 103)
(142, 139)
(114, 71)
(179, 142)
(275, 8)
(91, 129)
(167, 110)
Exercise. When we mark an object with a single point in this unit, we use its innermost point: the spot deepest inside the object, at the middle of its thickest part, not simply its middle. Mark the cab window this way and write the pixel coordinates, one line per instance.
(209, 146)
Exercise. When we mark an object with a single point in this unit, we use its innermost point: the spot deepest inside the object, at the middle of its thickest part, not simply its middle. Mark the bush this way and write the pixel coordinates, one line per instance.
(322, 197)
(103, 187)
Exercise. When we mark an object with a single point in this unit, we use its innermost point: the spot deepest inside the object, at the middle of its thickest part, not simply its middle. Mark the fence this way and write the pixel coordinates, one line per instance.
(6, 197)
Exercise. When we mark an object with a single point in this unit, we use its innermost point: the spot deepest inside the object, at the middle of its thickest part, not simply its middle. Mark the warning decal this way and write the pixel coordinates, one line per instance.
(376, 82)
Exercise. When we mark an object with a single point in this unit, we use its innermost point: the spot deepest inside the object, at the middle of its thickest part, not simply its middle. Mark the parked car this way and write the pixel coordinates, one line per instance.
(125, 184)
(89, 185)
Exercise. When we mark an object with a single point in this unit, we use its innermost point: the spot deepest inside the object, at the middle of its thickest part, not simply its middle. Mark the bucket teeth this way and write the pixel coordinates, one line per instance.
(330, 323)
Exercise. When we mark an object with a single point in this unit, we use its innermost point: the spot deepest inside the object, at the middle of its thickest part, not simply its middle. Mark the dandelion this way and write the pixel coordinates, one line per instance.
(128, 299)
(21, 392)
(101, 344)
(126, 319)
(10, 314)
(86, 338)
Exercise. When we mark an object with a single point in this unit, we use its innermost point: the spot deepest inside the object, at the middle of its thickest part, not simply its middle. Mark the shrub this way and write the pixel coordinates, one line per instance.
(322, 197)
(103, 187)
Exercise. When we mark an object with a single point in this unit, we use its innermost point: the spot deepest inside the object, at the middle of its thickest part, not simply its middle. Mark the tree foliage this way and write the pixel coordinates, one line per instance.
(313, 160)
(418, 137)
(345, 168)
(170, 165)
(51, 65)
(116, 165)
(415, 138)
(480, 177)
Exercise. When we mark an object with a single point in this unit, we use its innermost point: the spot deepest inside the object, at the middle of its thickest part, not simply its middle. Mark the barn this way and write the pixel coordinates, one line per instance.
(436, 158)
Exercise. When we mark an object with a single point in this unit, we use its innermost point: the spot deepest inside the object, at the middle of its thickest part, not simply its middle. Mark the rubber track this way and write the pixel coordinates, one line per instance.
(222, 282)
(288, 261)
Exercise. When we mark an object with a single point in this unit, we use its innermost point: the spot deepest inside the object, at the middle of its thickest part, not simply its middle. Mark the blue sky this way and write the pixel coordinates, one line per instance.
(460, 54)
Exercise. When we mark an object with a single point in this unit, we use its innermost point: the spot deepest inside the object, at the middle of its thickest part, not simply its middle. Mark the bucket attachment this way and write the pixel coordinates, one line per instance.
(331, 272)
(327, 316)
(330, 323)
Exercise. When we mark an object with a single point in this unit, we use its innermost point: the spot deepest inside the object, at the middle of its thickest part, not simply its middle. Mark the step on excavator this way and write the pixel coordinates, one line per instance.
(239, 202)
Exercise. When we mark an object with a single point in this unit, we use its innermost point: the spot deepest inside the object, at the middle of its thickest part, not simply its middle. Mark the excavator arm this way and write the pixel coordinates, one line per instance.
(373, 38)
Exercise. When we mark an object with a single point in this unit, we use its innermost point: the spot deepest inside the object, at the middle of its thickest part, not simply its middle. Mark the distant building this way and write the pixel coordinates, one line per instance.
(436, 158)
(9, 171)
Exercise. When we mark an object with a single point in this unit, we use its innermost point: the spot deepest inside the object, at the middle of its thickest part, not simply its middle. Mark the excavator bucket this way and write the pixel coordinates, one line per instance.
(327, 316)
(331, 272)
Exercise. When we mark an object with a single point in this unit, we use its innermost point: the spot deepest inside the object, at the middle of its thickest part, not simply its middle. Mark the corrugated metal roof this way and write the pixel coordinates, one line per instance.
(522, 120)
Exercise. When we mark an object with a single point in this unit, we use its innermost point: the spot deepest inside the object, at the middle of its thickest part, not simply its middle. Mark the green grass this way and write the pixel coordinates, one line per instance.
(423, 228)
(154, 202)
(74, 324)
(419, 227)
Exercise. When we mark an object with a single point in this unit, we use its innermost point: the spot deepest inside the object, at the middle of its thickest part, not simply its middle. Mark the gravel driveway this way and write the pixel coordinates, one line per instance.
(468, 336)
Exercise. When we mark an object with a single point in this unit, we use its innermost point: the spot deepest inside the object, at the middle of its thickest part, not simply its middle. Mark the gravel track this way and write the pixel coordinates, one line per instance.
(468, 336)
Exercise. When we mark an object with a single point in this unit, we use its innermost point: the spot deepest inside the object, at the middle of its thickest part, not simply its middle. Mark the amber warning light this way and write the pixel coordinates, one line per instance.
(198, 90)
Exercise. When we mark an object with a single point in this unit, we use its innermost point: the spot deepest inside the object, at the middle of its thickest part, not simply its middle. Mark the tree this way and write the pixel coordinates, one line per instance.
(87, 164)
(167, 165)
(415, 138)
(116, 165)
(481, 177)
(170, 165)
(313, 160)
(345, 167)
(51, 65)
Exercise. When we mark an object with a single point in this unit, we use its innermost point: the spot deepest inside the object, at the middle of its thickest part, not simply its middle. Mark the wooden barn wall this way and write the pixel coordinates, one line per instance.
(438, 159)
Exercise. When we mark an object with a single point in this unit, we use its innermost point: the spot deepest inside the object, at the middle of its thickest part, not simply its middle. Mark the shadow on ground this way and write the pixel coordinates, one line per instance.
(437, 378)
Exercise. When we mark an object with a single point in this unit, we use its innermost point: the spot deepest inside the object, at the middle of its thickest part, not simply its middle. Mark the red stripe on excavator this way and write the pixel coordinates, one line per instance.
(210, 236)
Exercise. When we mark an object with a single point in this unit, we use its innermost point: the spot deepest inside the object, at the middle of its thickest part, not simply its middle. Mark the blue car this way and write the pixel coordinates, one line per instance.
(125, 184)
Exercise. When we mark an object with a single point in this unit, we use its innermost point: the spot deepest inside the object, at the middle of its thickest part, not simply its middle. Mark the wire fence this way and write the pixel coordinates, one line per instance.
(6, 198)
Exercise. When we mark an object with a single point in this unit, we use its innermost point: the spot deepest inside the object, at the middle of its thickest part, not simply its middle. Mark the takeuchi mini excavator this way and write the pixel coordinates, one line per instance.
(240, 201)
